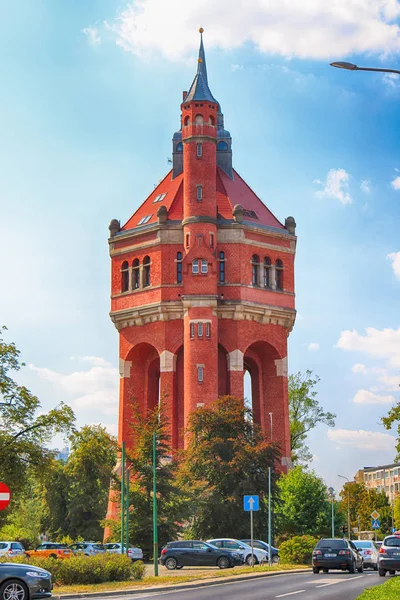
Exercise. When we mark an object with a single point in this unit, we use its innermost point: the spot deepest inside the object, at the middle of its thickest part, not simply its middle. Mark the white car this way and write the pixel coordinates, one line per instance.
(133, 553)
(11, 549)
(369, 552)
(260, 556)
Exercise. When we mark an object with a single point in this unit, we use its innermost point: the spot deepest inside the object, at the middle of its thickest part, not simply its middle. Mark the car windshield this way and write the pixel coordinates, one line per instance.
(361, 544)
(392, 542)
(331, 544)
(98, 546)
(3, 545)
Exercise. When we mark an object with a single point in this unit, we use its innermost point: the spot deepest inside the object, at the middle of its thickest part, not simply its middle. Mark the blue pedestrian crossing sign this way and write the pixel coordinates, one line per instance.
(376, 524)
(250, 503)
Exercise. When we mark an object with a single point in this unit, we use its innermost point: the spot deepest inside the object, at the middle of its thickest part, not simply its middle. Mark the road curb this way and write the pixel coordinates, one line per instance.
(179, 586)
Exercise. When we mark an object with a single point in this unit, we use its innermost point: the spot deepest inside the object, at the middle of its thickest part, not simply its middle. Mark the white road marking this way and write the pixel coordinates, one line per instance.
(289, 594)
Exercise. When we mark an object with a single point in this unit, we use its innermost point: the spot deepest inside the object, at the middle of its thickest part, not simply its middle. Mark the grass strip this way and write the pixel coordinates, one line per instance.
(388, 591)
(167, 580)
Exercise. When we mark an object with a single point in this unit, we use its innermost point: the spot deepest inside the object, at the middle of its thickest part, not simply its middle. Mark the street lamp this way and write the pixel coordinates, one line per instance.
(331, 493)
(351, 67)
(269, 507)
(348, 504)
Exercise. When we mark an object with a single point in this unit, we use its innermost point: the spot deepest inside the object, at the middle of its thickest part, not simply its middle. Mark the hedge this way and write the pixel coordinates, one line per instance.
(298, 550)
(86, 569)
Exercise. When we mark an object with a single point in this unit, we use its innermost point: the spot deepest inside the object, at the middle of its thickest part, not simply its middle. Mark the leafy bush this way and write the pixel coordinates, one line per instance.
(86, 569)
(298, 550)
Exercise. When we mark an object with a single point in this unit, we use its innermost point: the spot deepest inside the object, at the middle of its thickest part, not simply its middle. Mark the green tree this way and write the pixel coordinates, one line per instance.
(55, 491)
(304, 507)
(393, 418)
(396, 512)
(226, 458)
(88, 472)
(363, 502)
(24, 431)
(305, 413)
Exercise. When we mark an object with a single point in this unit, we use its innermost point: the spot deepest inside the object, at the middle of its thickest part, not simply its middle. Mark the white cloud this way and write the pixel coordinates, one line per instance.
(96, 387)
(391, 80)
(313, 346)
(93, 35)
(383, 343)
(395, 258)
(365, 186)
(236, 68)
(313, 29)
(363, 440)
(335, 186)
(96, 361)
(368, 397)
(359, 368)
(396, 183)
(390, 382)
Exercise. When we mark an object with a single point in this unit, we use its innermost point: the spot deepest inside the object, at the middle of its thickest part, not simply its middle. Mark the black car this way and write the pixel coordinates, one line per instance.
(389, 555)
(23, 582)
(264, 546)
(336, 554)
(194, 553)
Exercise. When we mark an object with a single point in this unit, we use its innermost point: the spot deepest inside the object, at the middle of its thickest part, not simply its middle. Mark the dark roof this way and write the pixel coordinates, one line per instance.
(199, 89)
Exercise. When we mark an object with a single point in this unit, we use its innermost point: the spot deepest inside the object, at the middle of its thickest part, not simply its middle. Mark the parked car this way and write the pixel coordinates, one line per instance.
(336, 554)
(11, 549)
(87, 548)
(232, 545)
(194, 553)
(23, 582)
(389, 555)
(133, 552)
(369, 552)
(264, 546)
(49, 549)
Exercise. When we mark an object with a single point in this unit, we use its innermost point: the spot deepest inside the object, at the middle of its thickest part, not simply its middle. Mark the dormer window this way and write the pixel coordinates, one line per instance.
(222, 146)
(145, 220)
(199, 192)
(195, 266)
(159, 198)
(204, 266)
(179, 147)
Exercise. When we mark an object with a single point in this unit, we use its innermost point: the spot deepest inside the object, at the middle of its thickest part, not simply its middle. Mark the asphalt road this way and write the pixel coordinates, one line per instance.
(307, 586)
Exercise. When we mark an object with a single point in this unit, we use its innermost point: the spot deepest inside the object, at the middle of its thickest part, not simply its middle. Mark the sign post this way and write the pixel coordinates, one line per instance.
(376, 524)
(5, 496)
(250, 504)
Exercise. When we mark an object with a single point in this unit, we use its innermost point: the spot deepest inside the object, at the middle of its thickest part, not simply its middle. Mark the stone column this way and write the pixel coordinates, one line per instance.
(168, 392)
(236, 373)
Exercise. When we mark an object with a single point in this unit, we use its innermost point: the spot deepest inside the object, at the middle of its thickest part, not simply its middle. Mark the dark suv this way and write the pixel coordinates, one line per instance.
(336, 554)
(389, 555)
(195, 553)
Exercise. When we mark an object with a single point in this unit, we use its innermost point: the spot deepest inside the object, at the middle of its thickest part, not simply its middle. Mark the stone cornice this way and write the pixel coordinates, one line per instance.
(237, 311)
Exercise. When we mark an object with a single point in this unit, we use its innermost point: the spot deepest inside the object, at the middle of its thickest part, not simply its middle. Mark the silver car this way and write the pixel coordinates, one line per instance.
(369, 552)
(87, 548)
(133, 552)
(11, 549)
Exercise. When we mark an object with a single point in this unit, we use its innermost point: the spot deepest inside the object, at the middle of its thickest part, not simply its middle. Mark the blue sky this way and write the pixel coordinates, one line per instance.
(90, 100)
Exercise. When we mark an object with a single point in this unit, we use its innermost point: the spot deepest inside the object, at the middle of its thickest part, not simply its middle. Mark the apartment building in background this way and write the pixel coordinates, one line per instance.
(383, 478)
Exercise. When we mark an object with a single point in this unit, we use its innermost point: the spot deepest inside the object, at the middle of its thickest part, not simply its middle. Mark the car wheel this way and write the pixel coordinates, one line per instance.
(179, 566)
(315, 570)
(382, 572)
(352, 568)
(361, 568)
(392, 572)
(53, 556)
(171, 563)
(275, 559)
(250, 560)
(325, 570)
(223, 562)
(14, 589)
(375, 567)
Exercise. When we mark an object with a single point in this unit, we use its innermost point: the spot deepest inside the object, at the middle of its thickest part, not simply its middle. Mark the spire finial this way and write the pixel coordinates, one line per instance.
(201, 30)
(201, 67)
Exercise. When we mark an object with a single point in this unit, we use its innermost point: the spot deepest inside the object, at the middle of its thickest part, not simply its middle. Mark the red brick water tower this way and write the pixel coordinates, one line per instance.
(203, 284)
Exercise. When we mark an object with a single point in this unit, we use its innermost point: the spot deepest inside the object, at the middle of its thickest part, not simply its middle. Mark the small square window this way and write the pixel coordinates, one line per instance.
(145, 219)
(159, 198)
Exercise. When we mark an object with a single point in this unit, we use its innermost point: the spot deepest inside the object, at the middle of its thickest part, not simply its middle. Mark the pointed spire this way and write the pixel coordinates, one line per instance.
(199, 89)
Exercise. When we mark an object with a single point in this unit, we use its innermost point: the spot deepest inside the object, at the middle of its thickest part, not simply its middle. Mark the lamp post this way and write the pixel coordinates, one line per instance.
(155, 530)
(348, 504)
(351, 67)
(269, 506)
(331, 493)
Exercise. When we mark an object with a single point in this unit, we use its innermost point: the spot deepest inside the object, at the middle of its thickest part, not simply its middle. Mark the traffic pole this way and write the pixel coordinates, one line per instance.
(333, 515)
(269, 518)
(122, 496)
(252, 538)
(155, 532)
(127, 510)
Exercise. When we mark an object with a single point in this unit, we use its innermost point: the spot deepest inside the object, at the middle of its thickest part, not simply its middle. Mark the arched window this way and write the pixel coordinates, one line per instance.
(279, 274)
(222, 267)
(212, 120)
(222, 146)
(186, 121)
(255, 267)
(135, 274)
(179, 147)
(179, 267)
(267, 272)
(199, 120)
(125, 276)
(195, 265)
(204, 266)
(146, 271)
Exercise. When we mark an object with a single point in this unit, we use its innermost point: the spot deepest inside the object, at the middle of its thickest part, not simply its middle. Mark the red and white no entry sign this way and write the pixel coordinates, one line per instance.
(5, 496)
